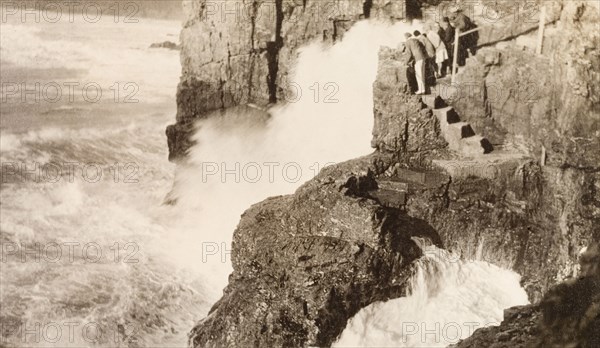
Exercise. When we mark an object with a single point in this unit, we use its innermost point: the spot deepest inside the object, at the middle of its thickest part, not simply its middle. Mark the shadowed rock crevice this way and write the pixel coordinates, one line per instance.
(367, 6)
(273, 49)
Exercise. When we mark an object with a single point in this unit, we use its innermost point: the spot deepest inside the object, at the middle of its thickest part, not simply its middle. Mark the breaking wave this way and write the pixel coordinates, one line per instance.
(94, 254)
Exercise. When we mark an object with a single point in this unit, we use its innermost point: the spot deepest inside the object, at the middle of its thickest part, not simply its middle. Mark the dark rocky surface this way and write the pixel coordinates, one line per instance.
(305, 263)
(551, 100)
(242, 53)
(506, 220)
(567, 316)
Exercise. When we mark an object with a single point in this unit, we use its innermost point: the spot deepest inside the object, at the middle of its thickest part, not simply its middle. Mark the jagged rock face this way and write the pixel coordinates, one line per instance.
(551, 100)
(403, 126)
(567, 316)
(305, 264)
(517, 220)
(525, 217)
(239, 52)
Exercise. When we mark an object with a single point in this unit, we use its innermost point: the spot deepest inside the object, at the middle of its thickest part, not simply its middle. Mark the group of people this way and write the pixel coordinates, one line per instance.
(431, 54)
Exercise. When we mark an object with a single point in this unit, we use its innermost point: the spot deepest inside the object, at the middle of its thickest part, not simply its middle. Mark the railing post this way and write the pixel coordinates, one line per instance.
(540, 39)
(455, 56)
(543, 158)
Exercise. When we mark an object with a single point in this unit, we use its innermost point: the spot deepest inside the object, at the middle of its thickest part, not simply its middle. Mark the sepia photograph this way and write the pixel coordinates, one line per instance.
(300, 173)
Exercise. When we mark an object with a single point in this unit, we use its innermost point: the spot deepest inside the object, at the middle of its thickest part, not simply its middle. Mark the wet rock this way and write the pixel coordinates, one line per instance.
(567, 316)
(241, 52)
(403, 126)
(551, 101)
(304, 264)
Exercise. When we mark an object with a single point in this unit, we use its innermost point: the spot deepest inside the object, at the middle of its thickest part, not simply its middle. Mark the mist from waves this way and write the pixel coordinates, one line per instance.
(82, 263)
(448, 299)
(179, 252)
(152, 270)
(239, 161)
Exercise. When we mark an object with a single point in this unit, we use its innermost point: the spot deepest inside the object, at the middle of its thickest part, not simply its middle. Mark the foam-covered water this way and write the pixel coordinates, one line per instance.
(100, 261)
(320, 128)
(81, 258)
(449, 299)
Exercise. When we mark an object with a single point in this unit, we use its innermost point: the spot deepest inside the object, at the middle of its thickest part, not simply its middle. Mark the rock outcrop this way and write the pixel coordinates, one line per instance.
(503, 207)
(240, 52)
(403, 126)
(306, 263)
(567, 316)
(550, 101)
(166, 44)
(296, 258)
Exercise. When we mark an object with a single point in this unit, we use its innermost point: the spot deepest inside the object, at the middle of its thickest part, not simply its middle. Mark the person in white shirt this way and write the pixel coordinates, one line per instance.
(441, 52)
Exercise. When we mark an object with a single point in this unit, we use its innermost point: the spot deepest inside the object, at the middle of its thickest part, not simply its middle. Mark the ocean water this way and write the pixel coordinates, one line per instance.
(91, 255)
(449, 298)
(83, 182)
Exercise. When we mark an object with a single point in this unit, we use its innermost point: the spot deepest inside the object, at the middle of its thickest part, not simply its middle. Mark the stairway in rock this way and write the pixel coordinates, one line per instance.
(476, 156)
(460, 135)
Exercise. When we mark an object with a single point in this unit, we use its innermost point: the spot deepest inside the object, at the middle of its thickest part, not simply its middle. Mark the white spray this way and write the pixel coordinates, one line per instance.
(449, 299)
(236, 165)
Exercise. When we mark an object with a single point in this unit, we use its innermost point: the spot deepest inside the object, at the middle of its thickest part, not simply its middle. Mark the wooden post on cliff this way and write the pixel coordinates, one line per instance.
(543, 158)
(455, 56)
(540, 39)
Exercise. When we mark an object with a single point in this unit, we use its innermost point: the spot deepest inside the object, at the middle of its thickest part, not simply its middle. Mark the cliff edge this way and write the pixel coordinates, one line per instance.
(306, 263)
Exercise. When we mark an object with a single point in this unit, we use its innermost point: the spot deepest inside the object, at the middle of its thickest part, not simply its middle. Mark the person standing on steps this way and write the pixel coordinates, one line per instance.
(416, 56)
(430, 61)
(467, 44)
(447, 33)
(441, 54)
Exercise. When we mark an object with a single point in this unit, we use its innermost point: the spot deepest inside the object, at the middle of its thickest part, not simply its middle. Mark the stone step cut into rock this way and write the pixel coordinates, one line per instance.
(475, 145)
(392, 185)
(459, 130)
(460, 135)
(446, 115)
(433, 101)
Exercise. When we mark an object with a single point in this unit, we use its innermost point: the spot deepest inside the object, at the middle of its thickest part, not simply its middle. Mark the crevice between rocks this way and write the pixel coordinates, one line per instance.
(367, 6)
(273, 49)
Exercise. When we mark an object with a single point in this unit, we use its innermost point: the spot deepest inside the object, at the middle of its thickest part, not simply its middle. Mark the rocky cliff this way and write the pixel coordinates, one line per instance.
(240, 52)
(550, 100)
(306, 263)
(548, 106)
(567, 316)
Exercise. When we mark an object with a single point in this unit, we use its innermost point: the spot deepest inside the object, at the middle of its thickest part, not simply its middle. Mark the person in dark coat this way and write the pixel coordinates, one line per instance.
(468, 43)
(416, 55)
(447, 33)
